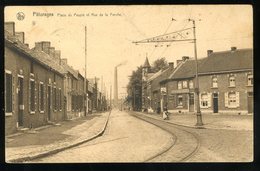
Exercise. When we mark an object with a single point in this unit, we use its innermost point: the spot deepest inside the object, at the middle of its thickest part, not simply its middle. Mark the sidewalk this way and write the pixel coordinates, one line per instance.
(210, 121)
(53, 139)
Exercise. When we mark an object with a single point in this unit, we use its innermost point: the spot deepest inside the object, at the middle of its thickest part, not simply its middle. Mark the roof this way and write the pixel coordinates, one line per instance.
(146, 63)
(39, 56)
(70, 70)
(217, 62)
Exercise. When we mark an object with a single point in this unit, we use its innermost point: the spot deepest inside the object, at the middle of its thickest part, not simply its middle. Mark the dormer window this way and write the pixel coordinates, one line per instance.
(232, 81)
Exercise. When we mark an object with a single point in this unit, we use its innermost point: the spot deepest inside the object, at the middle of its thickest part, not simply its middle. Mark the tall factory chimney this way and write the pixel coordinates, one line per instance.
(115, 89)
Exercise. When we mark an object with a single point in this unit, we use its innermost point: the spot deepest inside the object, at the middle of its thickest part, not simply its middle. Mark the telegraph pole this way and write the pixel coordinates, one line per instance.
(85, 78)
(199, 116)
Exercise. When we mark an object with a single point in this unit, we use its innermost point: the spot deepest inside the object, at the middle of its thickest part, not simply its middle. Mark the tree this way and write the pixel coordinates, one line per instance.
(134, 87)
(159, 64)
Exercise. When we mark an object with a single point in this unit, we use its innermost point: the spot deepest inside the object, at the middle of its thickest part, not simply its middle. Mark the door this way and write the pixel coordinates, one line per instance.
(191, 102)
(250, 98)
(20, 102)
(49, 103)
(215, 102)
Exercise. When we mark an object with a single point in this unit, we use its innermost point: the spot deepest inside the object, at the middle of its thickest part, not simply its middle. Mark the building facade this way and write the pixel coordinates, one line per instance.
(33, 85)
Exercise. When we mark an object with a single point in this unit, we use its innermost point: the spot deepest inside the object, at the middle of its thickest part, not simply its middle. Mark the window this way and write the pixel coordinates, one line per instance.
(191, 84)
(179, 85)
(180, 100)
(232, 81)
(8, 93)
(185, 84)
(32, 95)
(41, 97)
(250, 80)
(215, 82)
(232, 99)
(60, 99)
(204, 100)
(54, 98)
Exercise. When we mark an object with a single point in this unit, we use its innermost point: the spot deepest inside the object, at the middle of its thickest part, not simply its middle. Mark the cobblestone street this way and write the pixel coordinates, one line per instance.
(140, 141)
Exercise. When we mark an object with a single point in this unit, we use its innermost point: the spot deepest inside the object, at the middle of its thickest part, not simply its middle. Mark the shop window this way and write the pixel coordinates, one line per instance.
(250, 80)
(180, 100)
(179, 85)
(215, 82)
(232, 81)
(8, 93)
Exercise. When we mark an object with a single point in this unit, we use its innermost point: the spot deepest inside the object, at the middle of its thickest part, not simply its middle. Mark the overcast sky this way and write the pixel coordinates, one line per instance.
(110, 36)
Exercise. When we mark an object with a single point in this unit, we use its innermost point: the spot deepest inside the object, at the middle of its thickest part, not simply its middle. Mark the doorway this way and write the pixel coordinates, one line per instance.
(49, 103)
(215, 102)
(20, 102)
(250, 98)
(191, 102)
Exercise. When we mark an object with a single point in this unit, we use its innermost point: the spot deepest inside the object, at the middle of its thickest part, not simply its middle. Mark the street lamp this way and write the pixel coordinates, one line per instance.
(199, 116)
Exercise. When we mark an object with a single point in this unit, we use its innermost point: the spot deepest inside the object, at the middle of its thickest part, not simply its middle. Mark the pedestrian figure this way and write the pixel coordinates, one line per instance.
(165, 113)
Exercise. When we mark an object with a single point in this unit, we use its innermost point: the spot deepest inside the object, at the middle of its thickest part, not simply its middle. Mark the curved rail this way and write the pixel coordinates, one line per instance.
(156, 121)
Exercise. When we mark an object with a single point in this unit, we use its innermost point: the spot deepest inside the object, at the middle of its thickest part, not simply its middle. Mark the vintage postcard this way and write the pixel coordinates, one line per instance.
(128, 83)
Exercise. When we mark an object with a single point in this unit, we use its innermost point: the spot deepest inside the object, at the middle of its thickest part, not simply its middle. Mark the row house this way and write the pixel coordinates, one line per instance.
(225, 83)
(154, 93)
(33, 85)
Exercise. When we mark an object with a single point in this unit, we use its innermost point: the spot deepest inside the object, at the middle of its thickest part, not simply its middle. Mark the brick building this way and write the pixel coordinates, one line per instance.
(225, 82)
(33, 85)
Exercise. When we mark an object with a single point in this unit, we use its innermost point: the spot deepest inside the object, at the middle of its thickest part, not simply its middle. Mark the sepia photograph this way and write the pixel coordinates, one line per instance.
(128, 83)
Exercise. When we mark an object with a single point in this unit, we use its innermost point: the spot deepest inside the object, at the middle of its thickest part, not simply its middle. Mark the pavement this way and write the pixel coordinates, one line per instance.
(48, 140)
(210, 121)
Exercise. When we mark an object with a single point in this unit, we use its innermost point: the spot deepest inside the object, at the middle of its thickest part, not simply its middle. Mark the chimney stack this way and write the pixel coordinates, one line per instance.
(43, 46)
(179, 61)
(184, 58)
(171, 65)
(64, 60)
(233, 49)
(20, 36)
(10, 27)
(52, 52)
(209, 52)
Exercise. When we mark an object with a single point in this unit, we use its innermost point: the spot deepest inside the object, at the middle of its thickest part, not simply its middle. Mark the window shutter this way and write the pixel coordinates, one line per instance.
(237, 99)
(13, 93)
(226, 99)
(209, 99)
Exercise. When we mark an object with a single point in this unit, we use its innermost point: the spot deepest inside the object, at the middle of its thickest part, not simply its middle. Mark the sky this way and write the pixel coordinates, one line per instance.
(111, 31)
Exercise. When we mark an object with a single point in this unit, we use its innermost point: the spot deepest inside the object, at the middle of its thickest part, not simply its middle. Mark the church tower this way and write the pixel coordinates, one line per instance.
(145, 70)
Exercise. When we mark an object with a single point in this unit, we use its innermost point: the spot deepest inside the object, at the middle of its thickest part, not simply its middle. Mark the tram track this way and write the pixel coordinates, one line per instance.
(186, 143)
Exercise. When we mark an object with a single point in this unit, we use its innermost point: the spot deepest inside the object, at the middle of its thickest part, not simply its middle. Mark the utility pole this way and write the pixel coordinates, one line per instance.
(85, 78)
(110, 100)
(199, 116)
(182, 35)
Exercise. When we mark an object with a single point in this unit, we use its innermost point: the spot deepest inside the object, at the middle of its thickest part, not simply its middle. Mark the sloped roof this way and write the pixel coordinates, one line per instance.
(39, 56)
(146, 63)
(217, 62)
(70, 70)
